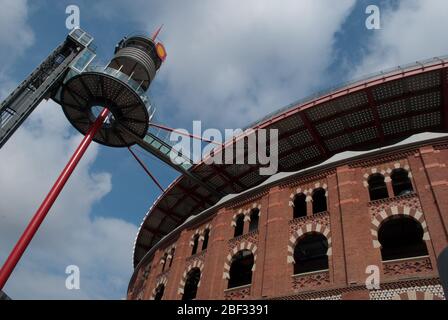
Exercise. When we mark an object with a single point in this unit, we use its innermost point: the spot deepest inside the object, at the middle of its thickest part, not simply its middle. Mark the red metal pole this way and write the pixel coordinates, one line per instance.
(146, 169)
(41, 213)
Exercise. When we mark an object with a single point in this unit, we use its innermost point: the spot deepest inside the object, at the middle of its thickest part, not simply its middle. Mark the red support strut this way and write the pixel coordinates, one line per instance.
(41, 213)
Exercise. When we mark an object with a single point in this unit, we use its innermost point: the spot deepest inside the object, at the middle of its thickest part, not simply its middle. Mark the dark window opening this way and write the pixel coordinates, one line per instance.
(191, 284)
(299, 206)
(239, 228)
(172, 257)
(205, 241)
(159, 292)
(165, 256)
(241, 269)
(254, 217)
(195, 244)
(377, 187)
(310, 254)
(401, 237)
(401, 183)
(319, 201)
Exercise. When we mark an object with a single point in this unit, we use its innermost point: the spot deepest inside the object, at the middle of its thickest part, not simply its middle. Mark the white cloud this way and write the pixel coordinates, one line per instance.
(231, 62)
(413, 31)
(16, 36)
(101, 247)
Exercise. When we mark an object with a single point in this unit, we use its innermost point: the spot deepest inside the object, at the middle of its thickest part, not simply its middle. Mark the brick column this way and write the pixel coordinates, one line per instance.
(337, 268)
(356, 225)
(212, 282)
(155, 271)
(430, 179)
(277, 272)
(178, 266)
(258, 274)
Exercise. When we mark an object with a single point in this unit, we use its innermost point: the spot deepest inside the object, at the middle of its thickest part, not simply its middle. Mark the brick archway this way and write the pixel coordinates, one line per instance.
(245, 245)
(305, 229)
(381, 217)
(195, 264)
(163, 280)
(416, 295)
(246, 213)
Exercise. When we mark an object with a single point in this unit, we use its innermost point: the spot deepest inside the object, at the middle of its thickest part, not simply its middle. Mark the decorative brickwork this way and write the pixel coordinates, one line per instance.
(409, 200)
(311, 280)
(251, 237)
(322, 218)
(386, 170)
(407, 266)
(239, 293)
(428, 291)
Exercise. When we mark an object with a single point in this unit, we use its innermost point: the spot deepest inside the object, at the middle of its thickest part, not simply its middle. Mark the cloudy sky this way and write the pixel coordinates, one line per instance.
(229, 63)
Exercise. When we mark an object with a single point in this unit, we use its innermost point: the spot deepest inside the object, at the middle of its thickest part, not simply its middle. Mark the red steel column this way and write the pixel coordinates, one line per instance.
(46, 205)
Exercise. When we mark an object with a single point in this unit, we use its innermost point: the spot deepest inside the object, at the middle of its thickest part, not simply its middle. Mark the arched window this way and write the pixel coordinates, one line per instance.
(319, 201)
(195, 244)
(299, 206)
(241, 269)
(172, 256)
(401, 183)
(401, 237)
(310, 253)
(377, 187)
(254, 217)
(165, 256)
(191, 284)
(239, 228)
(205, 241)
(159, 292)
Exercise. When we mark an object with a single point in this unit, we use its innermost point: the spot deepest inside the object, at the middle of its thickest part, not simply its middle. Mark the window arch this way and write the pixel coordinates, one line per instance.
(239, 227)
(254, 218)
(377, 187)
(401, 237)
(194, 250)
(241, 269)
(299, 209)
(205, 241)
(159, 292)
(401, 183)
(191, 284)
(319, 201)
(172, 256)
(310, 253)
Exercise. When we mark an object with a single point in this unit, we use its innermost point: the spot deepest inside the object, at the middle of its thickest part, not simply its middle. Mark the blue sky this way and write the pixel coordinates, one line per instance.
(229, 63)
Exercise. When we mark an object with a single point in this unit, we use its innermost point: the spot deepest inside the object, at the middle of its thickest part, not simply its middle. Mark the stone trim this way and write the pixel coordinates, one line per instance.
(308, 192)
(196, 264)
(243, 246)
(200, 232)
(379, 219)
(162, 280)
(246, 213)
(302, 231)
(386, 171)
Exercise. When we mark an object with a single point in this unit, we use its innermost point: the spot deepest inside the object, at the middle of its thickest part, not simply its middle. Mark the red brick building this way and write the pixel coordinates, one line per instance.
(358, 225)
